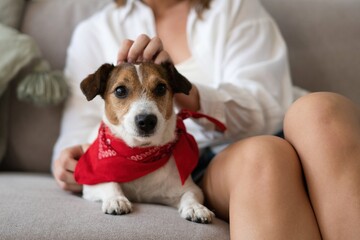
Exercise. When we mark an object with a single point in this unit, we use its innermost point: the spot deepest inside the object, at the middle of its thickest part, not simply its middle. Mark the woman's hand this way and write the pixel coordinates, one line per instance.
(64, 168)
(143, 49)
(146, 49)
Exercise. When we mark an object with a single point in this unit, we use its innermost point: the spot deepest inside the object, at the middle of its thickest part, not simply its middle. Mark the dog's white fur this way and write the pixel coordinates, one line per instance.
(127, 131)
(161, 186)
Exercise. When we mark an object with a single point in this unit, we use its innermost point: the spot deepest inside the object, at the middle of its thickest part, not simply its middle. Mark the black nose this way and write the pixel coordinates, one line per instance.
(146, 123)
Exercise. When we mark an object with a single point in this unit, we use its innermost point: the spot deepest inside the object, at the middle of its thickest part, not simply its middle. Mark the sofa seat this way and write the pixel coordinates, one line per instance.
(32, 206)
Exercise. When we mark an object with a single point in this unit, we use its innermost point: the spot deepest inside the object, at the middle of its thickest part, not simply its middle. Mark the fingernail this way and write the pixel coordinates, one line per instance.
(130, 60)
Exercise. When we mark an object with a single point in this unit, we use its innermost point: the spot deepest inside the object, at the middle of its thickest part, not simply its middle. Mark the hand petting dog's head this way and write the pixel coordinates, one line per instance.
(138, 100)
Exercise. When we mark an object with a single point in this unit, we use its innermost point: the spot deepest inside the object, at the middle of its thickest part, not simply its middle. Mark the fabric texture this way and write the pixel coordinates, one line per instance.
(250, 95)
(33, 207)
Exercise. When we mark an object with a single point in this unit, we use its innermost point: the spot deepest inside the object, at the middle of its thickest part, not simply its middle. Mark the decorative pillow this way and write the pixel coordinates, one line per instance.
(17, 51)
(40, 86)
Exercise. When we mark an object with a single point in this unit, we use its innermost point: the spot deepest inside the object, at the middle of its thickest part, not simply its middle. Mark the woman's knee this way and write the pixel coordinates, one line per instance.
(323, 128)
(318, 113)
(265, 162)
(257, 159)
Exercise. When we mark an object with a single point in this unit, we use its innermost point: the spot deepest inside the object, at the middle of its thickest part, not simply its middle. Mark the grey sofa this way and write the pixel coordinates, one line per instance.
(324, 48)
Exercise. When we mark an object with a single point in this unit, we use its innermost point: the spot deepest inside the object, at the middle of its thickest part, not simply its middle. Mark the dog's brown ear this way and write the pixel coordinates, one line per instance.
(178, 82)
(95, 83)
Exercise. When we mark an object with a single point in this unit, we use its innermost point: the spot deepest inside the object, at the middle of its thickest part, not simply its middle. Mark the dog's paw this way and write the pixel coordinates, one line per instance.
(117, 206)
(196, 213)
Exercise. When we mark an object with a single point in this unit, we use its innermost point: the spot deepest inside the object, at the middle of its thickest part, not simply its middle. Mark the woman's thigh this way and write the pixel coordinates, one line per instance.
(257, 184)
(262, 158)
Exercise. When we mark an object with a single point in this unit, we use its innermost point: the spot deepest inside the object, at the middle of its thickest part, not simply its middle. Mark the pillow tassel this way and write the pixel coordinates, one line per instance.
(43, 87)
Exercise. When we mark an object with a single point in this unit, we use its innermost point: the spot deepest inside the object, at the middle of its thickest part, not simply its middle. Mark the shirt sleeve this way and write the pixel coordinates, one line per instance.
(80, 117)
(252, 87)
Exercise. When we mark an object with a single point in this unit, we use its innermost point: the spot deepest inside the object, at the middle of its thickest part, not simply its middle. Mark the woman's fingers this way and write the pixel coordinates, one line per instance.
(66, 176)
(70, 165)
(64, 168)
(70, 157)
(137, 49)
(70, 187)
(124, 51)
(143, 49)
(153, 48)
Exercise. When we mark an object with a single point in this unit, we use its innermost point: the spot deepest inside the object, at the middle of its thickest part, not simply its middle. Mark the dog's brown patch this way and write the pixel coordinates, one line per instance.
(154, 75)
(123, 75)
(126, 75)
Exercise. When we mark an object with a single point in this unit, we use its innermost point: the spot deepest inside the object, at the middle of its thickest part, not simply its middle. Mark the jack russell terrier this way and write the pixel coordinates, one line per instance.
(143, 152)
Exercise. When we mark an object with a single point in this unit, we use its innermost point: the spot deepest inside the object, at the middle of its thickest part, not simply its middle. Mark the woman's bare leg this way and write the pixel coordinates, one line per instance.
(260, 182)
(324, 128)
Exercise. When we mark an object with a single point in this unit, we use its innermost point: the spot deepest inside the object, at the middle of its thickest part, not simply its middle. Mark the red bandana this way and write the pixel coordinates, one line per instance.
(109, 159)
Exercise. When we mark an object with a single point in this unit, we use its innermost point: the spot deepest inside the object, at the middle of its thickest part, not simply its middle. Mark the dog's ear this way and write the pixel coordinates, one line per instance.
(178, 82)
(95, 83)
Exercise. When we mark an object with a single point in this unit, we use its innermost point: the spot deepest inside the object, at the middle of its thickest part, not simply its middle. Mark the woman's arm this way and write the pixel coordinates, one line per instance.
(247, 60)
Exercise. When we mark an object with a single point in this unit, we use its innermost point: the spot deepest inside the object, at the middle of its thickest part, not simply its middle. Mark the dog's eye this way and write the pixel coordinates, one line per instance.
(160, 89)
(121, 92)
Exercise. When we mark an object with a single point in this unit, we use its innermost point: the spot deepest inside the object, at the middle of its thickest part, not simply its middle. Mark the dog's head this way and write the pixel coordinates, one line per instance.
(138, 100)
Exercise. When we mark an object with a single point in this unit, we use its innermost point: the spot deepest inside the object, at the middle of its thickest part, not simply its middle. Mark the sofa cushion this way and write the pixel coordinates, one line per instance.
(11, 12)
(52, 22)
(323, 39)
(33, 207)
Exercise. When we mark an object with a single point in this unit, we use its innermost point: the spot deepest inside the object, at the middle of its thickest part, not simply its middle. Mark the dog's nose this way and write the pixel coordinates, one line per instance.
(146, 122)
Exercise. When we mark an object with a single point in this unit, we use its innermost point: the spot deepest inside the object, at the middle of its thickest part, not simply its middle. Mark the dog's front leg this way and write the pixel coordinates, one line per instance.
(191, 207)
(112, 197)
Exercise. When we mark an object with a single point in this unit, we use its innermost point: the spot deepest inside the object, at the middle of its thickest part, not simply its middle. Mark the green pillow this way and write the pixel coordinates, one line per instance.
(17, 51)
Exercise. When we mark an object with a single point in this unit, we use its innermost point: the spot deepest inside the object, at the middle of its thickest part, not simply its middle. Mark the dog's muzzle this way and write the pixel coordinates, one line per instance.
(146, 124)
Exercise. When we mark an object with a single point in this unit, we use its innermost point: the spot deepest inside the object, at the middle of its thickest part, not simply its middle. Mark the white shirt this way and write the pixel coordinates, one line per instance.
(239, 65)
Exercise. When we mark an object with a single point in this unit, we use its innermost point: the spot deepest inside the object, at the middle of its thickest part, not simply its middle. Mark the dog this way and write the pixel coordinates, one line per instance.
(139, 112)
